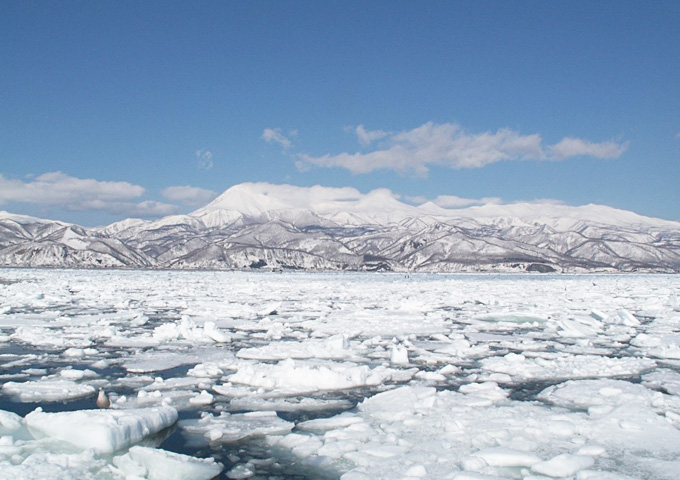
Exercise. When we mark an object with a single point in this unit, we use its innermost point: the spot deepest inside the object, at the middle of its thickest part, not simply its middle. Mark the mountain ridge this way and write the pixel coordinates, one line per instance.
(260, 225)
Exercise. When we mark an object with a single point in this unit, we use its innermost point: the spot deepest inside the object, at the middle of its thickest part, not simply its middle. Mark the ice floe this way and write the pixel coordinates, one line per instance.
(230, 428)
(48, 390)
(105, 431)
(293, 377)
(157, 464)
(94, 444)
(523, 367)
(335, 347)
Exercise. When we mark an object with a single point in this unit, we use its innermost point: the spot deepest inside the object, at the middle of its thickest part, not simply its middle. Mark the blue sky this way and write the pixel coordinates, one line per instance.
(117, 109)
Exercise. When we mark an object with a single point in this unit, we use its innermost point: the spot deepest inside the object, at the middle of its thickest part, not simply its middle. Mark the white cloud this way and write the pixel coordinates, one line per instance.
(448, 145)
(416, 200)
(205, 161)
(543, 201)
(80, 194)
(148, 208)
(56, 188)
(367, 137)
(270, 135)
(145, 209)
(453, 201)
(317, 198)
(574, 147)
(193, 196)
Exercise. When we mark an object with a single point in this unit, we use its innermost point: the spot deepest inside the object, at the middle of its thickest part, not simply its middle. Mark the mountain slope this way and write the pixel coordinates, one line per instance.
(29, 241)
(318, 228)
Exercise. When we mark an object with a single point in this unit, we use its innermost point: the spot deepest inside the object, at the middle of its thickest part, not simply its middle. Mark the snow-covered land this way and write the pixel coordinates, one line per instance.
(338, 375)
(273, 227)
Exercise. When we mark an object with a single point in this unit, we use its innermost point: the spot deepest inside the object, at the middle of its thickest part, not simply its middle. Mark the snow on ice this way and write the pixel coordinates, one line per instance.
(352, 376)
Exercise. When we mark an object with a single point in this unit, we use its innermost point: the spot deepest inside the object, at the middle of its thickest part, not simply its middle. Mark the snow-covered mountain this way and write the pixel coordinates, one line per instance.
(259, 225)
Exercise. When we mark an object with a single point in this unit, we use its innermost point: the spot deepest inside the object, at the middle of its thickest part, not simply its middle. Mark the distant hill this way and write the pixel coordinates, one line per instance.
(264, 226)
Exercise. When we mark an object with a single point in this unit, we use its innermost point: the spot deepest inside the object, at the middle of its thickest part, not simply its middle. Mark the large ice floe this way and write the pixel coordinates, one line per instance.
(104, 431)
(236, 375)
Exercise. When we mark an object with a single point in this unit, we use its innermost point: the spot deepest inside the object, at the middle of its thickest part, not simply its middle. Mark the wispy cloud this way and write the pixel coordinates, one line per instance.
(57, 188)
(145, 209)
(80, 194)
(275, 135)
(367, 137)
(448, 145)
(205, 159)
(193, 196)
(453, 201)
(575, 147)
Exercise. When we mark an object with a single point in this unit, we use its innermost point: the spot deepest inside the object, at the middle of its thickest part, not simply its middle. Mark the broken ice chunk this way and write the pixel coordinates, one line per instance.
(238, 426)
(564, 465)
(48, 390)
(507, 457)
(399, 355)
(204, 398)
(105, 431)
(157, 464)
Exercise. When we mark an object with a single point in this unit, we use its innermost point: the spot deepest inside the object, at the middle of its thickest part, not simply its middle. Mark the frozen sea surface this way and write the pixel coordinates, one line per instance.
(352, 376)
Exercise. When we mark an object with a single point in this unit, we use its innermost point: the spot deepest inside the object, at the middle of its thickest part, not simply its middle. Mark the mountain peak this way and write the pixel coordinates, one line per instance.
(258, 199)
(26, 219)
(249, 199)
(348, 206)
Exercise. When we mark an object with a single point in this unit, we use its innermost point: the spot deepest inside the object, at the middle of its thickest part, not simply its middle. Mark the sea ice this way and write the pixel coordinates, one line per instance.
(521, 367)
(105, 431)
(507, 457)
(291, 376)
(579, 327)
(334, 347)
(158, 464)
(79, 444)
(511, 317)
(230, 428)
(660, 345)
(563, 465)
(203, 398)
(664, 380)
(399, 355)
(9, 422)
(188, 330)
(435, 375)
(584, 394)
(155, 361)
(254, 402)
(326, 424)
(41, 465)
(48, 390)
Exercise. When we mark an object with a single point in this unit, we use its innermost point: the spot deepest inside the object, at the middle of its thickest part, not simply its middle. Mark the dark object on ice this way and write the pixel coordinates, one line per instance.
(540, 268)
(103, 400)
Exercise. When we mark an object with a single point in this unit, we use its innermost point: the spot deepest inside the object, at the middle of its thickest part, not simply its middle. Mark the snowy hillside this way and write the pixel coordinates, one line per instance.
(259, 225)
